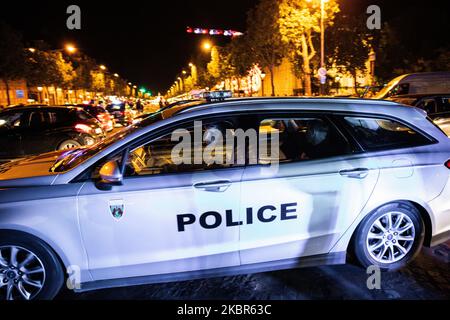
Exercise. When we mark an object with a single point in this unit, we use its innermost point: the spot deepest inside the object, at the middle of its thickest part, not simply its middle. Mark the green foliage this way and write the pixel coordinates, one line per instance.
(348, 44)
(299, 22)
(264, 37)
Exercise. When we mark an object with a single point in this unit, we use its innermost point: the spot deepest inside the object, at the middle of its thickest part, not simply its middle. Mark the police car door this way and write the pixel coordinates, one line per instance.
(172, 214)
(301, 206)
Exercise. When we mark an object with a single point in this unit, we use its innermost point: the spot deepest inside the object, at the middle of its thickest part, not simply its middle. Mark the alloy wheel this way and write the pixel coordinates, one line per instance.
(22, 274)
(391, 237)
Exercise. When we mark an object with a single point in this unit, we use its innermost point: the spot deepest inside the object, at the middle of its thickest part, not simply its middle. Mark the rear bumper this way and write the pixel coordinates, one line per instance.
(440, 218)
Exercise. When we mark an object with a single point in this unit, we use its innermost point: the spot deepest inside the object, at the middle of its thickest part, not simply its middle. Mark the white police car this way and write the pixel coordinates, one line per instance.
(370, 178)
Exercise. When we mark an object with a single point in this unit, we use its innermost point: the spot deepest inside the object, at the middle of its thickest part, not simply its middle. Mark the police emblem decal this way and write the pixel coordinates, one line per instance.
(116, 208)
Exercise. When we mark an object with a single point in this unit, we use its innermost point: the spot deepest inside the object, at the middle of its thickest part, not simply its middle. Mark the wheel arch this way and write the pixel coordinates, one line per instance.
(424, 213)
(62, 258)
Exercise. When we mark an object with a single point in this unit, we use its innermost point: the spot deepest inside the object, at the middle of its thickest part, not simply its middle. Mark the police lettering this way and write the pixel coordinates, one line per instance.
(212, 219)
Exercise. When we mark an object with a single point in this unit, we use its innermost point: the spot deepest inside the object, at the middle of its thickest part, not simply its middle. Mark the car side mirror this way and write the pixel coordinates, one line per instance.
(110, 174)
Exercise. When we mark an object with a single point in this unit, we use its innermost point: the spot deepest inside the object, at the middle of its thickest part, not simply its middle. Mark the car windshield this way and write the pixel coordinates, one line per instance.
(72, 158)
(382, 94)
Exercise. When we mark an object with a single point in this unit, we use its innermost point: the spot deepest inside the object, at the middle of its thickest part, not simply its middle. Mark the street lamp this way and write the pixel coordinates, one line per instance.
(207, 46)
(103, 67)
(116, 75)
(32, 50)
(263, 76)
(70, 48)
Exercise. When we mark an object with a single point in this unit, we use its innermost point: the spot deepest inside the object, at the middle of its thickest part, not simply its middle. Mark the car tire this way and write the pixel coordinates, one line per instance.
(50, 280)
(390, 237)
(68, 144)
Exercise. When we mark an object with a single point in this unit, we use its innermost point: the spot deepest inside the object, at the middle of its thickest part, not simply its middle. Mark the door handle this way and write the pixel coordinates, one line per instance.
(214, 186)
(359, 173)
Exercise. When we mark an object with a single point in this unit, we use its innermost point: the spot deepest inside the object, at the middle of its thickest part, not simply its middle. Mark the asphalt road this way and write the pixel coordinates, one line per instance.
(427, 277)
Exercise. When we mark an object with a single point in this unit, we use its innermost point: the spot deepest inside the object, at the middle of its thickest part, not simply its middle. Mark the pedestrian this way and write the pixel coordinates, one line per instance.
(139, 106)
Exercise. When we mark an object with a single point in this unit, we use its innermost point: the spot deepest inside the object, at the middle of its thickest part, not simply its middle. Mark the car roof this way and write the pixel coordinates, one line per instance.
(419, 95)
(42, 107)
(331, 104)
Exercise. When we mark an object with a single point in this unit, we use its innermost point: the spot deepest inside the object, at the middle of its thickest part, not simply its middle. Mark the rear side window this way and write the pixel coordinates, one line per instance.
(379, 134)
(56, 117)
(303, 139)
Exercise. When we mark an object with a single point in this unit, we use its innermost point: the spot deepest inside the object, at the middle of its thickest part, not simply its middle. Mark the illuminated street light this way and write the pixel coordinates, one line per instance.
(116, 75)
(130, 84)
(184, 72)
(191, 64)
(70, 48)
(207, 46)
(32, 50)
(103, 67)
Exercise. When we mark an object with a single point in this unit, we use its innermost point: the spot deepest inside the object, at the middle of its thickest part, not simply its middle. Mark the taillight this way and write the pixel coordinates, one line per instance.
(83, 128)
(447, 164)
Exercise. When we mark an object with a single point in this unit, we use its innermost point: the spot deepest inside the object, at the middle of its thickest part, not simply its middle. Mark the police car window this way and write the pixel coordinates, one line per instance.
(376, 134)
(300, 140)
(181, 151)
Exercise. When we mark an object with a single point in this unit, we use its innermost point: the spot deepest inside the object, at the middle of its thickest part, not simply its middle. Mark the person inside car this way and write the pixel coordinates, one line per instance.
(318, 142)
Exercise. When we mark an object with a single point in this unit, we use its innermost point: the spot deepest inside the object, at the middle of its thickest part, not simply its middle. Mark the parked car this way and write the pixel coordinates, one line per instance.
(366, 178)
(416, 83)
(443, 121)
(28, 131)
(121, 113)
(431, 103)
(167, 111)
(102, 115)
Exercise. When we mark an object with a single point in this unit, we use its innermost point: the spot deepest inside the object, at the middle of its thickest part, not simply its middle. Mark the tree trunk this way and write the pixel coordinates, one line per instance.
(239, 86)
(272, 81)
(8, 98)
(355, 83)
(306, 66)
(307, 70)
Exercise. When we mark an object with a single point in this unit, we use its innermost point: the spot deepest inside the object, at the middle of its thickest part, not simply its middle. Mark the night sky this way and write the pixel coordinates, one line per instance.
(146, 42)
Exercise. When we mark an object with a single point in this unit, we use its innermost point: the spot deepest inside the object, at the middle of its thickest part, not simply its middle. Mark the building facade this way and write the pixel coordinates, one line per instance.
(18, 92)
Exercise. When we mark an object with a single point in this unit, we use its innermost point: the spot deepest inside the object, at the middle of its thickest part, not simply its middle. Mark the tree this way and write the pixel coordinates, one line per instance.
(64, 71)
(348, 45)
(214, 65)
(98, 81)
(83, 78)
(299, 22)
(240, 58)
(264, 38)
(11, 57)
